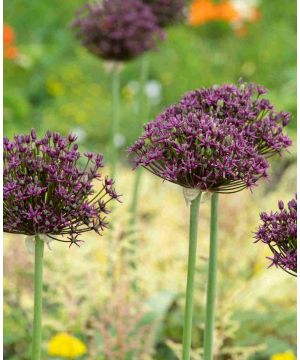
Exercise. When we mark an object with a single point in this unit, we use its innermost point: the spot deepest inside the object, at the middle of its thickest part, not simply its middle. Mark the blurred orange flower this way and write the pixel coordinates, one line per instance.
(9, 49)
(11, 53)
(203, 11)
(227, 12)
(8, 34)
(231, 11)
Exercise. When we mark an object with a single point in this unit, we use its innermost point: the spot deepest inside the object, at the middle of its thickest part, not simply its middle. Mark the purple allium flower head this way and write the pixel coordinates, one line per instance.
(46, 192)
(200, 151)
(168, 12)
(117, 30)
(279, 232)
(245, 107)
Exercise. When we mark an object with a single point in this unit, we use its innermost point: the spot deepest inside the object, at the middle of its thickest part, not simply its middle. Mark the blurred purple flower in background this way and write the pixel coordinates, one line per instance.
(279, 232)
(117, 30)
(168, 12)
(46, 192)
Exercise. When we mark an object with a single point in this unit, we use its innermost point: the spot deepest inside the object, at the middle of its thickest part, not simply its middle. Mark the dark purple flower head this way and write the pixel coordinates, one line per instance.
(199, 150)
(279, 232)
(117, 30)
(245, 107)
(168, 12)
(46, 192)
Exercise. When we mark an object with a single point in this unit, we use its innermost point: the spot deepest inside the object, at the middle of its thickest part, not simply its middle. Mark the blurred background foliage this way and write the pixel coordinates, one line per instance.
(51, 82)
(44, 87)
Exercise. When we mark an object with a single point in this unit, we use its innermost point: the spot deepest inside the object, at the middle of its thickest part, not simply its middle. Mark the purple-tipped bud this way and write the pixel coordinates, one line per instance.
(48, 134)
(89, 155)
(33, 134)
(280, 205)
(99, 160)
(72, 138)
(56, 137)
(108, 181)
(286, 118)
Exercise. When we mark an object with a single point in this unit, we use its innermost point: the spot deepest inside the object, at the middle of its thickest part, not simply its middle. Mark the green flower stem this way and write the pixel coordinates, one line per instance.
(116, 70)
(115, 118)
(142, 114)
(212, 280)
(38, 287)
(134, 202)
(188, 317)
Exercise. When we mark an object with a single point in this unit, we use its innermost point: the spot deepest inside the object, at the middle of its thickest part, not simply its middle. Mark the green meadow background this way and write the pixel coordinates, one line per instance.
(56, 84)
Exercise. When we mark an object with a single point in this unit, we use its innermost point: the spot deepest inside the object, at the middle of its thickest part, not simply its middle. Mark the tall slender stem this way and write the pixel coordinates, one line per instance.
(115, 118)
(142, 113)
(38, 286)
(212, 280)
(189, 296)
(114, 152)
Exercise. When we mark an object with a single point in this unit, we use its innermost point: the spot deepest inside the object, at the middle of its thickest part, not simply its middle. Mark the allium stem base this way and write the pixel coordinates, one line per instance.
(212, 280)
(38, 287)
(188, 317)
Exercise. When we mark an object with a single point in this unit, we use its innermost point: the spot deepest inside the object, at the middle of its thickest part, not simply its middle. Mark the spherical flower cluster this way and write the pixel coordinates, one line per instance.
(279, 232)
(203, 144)
(117, 30)
(245, 107)
(167, 12)
(47, 193)
(66, 346)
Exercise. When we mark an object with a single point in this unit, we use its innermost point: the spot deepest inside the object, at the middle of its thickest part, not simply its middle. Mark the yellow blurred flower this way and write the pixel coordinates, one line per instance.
(128, 92)
(55, 88)
(288, 355)
(80, 117)
(259, 267)
(101, 257)
(66, 346)
(95, 89)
